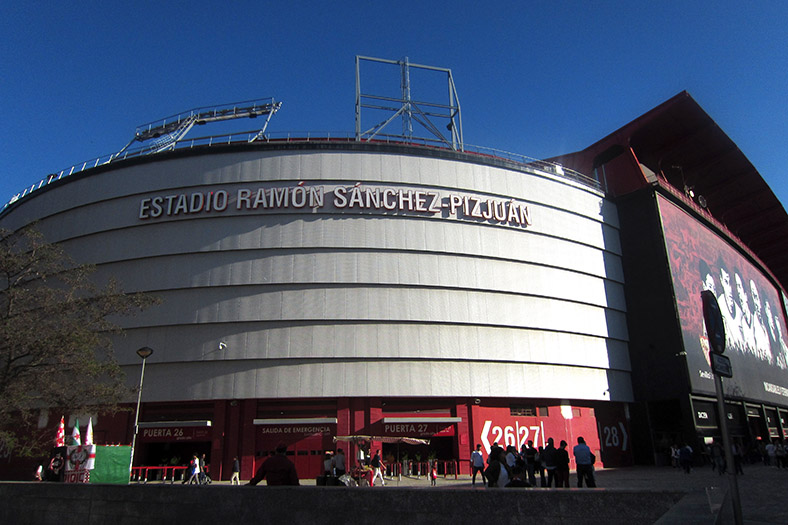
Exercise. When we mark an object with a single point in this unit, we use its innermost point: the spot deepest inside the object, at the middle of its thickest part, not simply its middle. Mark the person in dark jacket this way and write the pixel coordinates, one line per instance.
(529, 455)
(540, 466)
(517, 481)
(685, 458)
(549, 460)
(493, 455)
(204, 479)
(562, 466)
(235, 479)
(277, 470)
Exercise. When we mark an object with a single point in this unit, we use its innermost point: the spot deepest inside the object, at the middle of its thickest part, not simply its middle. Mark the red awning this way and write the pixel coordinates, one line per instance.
(384, 439)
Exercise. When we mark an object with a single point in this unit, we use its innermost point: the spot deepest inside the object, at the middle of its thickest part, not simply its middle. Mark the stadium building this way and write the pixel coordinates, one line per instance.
(316, 288)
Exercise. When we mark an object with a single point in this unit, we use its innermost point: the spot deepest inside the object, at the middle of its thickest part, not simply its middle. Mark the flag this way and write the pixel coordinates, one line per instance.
(75, 437)
(60, 437)
(89, 432)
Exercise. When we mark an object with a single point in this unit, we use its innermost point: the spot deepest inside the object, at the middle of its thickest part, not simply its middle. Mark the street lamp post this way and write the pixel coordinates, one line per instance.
(144, 352)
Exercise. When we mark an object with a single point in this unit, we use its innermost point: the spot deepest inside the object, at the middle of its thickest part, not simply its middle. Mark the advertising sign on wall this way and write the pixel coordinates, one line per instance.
(607, 434)
(755, 329)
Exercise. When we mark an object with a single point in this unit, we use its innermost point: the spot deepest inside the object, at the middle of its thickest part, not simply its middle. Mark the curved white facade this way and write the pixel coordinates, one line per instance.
(350, 299)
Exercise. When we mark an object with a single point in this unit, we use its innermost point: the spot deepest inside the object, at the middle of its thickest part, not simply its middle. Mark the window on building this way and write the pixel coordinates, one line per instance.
(522, 410)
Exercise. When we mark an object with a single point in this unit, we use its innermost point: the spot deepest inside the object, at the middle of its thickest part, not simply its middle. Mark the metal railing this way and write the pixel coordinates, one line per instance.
(523, 161)
(226, 111)
(143, 474)
(445, 467)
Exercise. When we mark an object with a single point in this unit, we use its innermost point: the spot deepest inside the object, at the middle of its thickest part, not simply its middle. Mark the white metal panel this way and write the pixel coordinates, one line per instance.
(388, 379)
(239, 304)
(330, 342)
(352, 233)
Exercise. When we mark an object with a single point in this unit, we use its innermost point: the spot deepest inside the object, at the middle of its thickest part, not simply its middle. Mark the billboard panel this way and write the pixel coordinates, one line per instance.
(755, 329)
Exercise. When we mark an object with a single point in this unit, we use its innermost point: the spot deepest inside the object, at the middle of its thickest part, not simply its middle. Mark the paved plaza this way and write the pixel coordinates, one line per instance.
(763, 490)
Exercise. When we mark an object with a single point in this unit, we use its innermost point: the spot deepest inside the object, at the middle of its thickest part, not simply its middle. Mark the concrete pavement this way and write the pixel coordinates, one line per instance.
(763, 490)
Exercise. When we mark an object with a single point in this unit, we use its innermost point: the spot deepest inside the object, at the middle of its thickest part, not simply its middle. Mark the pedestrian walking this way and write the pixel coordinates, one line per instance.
(377, 466)
(477, 465)
(235, 478)
(194, 469)
(685, 458)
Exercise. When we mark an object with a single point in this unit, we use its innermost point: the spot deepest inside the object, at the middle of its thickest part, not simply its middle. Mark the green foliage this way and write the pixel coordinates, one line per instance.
(55, 335)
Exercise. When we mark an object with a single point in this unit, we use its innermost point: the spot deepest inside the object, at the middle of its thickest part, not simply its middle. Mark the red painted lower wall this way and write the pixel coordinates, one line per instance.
(232, 432)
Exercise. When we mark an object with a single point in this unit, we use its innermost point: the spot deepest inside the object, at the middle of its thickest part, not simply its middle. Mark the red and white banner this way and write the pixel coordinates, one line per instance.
(81, 457)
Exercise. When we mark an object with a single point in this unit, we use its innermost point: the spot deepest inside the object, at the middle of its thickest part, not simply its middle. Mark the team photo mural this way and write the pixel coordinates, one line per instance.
(751, 306)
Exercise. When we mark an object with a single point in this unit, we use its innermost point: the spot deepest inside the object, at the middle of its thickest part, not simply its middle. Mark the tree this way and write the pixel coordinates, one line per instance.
(55, 335)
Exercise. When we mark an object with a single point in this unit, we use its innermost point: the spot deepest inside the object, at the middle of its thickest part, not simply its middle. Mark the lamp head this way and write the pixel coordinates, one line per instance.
(145, 352)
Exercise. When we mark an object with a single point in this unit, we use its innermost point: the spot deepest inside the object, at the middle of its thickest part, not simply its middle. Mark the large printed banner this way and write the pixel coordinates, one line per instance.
(755, 329)
(89, 464)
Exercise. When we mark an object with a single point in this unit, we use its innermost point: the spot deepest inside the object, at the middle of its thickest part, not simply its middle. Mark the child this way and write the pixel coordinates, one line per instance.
(434, 474)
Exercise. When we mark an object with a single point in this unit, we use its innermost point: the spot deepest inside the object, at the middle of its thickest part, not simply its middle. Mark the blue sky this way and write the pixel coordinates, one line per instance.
(537, 78)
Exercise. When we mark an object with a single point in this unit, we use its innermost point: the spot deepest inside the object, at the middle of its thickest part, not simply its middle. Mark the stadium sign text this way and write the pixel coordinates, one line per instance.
(372, 199)
(305, 430)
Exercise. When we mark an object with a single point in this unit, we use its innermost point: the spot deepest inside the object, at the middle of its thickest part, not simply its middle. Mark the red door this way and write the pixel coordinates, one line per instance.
(305, 451)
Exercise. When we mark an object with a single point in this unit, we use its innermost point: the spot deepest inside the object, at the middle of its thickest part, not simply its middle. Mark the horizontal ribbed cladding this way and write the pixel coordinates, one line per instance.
(333, 291)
